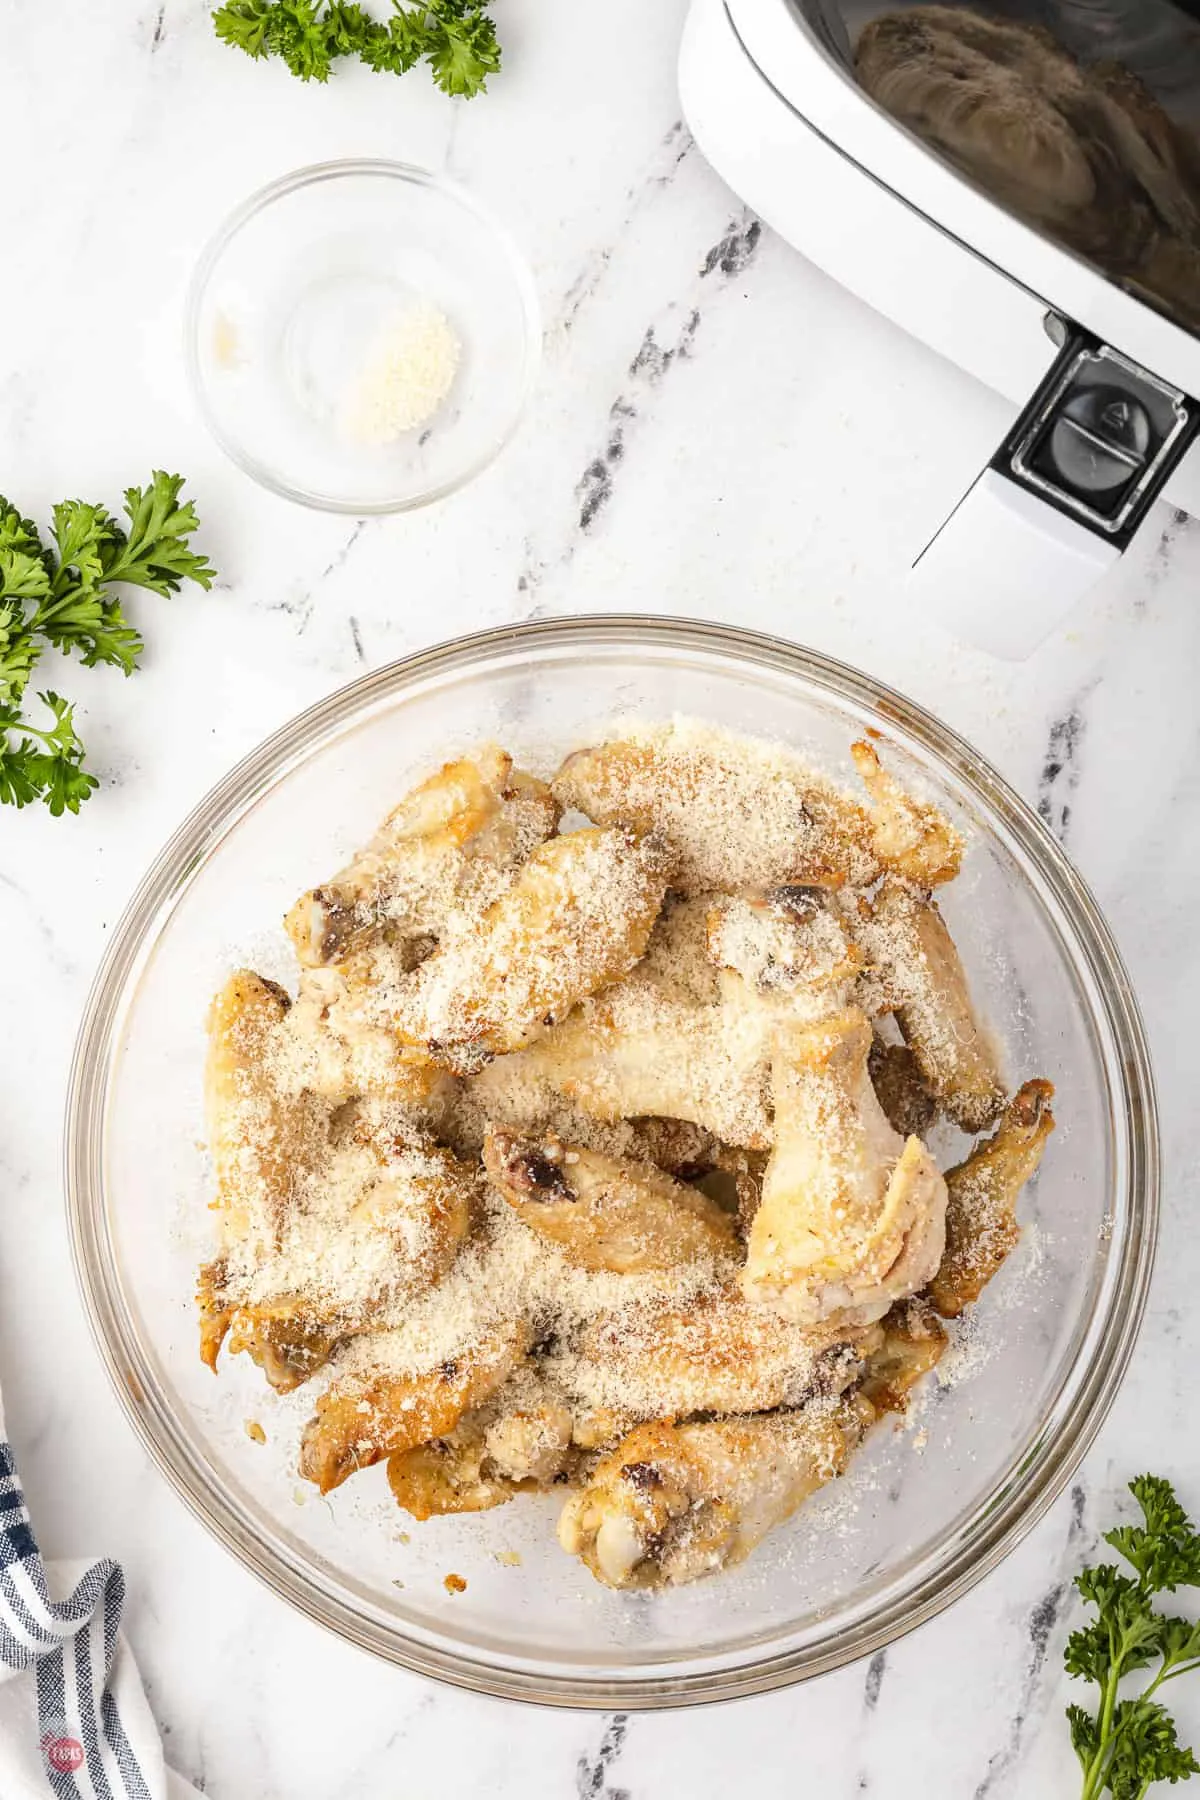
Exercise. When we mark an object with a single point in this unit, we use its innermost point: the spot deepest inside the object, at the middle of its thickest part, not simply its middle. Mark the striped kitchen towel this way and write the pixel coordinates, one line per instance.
(72, 1710)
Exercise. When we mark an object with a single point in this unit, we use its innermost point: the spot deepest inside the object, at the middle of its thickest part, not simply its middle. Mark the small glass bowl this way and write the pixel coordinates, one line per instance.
(923, 1512)
(299, 284)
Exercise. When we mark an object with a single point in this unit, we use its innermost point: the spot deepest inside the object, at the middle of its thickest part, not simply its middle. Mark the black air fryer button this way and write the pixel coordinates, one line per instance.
(1098, 445)
(1099, 437)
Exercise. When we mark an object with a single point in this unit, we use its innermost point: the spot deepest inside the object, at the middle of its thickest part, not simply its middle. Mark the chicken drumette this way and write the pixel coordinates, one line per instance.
(674, 1502)
(852, 1215)
(626, 1217)
(981, 1221)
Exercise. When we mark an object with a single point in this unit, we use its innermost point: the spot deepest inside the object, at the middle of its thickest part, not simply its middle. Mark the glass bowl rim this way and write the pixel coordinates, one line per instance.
(1001, 1526)
(311, 175)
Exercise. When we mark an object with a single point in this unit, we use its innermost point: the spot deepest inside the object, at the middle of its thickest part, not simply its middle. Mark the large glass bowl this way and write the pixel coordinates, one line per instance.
(927, 1509)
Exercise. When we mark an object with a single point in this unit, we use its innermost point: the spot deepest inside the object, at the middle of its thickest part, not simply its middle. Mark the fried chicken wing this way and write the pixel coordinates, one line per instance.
(363, 1417)
(914, 956)
(981, 1222)
(737, 819)
(407, 878)
(321, 1225)
(520, 1439)
(913, 1341)
(718, 1354)
(911, 837)
(253, 1135)
(372, 1225)
(634, 1051)
(852, 1216)
(327, 1047)
(675, 1502)
(450, 1474)
(530, 1435)
(626, 1217)
(259, 1142)
(786, 942)
(576, 918)
(281, 1338)
(678, 1041)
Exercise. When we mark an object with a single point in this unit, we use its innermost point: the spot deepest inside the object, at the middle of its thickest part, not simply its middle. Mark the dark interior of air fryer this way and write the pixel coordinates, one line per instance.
(1082, 117)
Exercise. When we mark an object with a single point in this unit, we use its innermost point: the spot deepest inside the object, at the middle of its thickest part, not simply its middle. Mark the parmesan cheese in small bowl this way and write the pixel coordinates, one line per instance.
(362, 336)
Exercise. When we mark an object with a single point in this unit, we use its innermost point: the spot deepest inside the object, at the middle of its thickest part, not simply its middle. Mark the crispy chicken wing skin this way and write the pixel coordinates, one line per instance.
(216, 1313)
(519, 1440)
(321, 1224)
(913, 1341)
(981, 1221)
(258, 1141)
(719, 1354)
(401, 1214)
(451, 1474)
(282, 1339)
(576, 918)
(251, 1135)
(530, 1433)
(852, 1216)
(915, 959)
(363, 1418)
(604, 1214)
(909, 1106)
(409, 875)
(910, 837)
(675, 1502)
(634, 1051)
(326, 1046)
(804, 829)
(787, 942)
(677, 960)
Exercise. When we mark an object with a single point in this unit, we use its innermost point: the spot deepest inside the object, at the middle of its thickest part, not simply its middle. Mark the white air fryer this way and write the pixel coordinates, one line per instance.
(1017, 184)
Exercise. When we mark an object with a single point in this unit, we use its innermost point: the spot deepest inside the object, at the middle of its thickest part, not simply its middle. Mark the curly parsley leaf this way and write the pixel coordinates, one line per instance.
(63, 595)
(1127, 1745)
(19, 651)
(465, 50)
(1146, 1749)
(155, 554)
(246, 24)
(457, 38)
(43, 764)
(1165, 1550)
(1085, 1733)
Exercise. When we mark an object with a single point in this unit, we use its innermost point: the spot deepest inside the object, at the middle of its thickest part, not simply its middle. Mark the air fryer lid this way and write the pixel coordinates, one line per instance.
(1079, 116)
(1059, 140)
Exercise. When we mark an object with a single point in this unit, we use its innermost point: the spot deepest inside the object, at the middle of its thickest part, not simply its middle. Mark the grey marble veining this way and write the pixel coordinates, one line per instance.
(717, 430)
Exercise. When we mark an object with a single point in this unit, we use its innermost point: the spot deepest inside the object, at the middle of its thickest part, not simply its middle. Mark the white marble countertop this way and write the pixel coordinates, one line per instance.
(719, 431)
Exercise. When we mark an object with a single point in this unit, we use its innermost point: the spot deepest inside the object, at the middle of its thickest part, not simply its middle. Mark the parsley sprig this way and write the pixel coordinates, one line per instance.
(62, 595)
(456, 37)
(1126, 1745)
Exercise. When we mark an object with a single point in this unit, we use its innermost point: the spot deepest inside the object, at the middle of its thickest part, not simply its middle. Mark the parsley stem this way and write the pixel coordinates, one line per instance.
(1171, 1670)
(1098, 1767)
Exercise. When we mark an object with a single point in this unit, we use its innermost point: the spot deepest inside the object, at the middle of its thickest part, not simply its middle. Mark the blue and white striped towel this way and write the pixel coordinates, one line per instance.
(72, 1710)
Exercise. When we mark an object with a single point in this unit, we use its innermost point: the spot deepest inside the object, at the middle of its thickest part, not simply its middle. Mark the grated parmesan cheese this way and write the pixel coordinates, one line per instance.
(405, 377)
(334, 1206)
